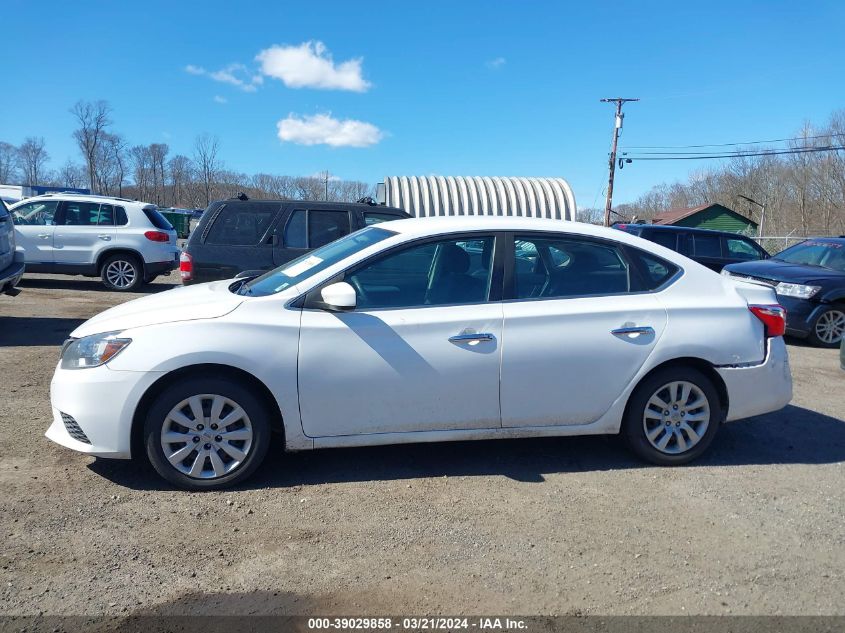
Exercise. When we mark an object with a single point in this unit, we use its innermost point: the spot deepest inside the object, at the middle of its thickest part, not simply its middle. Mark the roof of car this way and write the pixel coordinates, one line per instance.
(316, 203)
(53, 195)
(451, 224)
(669, 228)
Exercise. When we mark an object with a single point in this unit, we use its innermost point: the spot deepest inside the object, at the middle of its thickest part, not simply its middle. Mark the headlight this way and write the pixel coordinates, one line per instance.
(726, 273)
(92, 351)
(799, 291)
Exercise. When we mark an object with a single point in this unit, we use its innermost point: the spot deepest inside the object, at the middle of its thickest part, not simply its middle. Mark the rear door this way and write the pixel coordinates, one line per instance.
(305, 229)
(34, 230)
(240, 238)
(577, 328)
(82, 230)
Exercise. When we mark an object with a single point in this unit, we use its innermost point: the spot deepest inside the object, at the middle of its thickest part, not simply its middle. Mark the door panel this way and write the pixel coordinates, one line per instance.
(34, 230)
(388, 371)
(82, 230)
(561, 362)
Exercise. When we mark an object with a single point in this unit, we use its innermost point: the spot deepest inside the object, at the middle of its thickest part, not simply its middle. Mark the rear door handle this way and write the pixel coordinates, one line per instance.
(105, 237)
(633, 331)
(469, 337)
(43, 236)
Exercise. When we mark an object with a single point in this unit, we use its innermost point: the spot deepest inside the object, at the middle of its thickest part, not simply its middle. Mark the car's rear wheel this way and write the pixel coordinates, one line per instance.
(205, 434)
(829, 327)
(122, 272)
(673, 416)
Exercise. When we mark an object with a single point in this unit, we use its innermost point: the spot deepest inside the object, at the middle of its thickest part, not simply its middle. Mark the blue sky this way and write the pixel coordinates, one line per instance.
(455, 88)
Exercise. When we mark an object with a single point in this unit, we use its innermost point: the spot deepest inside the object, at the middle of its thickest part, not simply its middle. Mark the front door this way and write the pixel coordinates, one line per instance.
(576, 330)
(34, 231)
(82, 230)
(421, 352)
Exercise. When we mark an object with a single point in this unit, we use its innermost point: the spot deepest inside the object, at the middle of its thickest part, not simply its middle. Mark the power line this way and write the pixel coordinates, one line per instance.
(804, 150)
(774, 140)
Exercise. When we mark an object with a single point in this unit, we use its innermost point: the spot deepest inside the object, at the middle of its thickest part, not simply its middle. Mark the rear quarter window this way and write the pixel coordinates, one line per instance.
(241, 225)
(158, 220)
(655, 271)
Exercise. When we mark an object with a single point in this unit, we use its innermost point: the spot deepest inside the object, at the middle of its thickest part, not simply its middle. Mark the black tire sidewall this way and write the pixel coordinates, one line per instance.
(632, 425)
(170, 397)
(815, 340)
(133, 261)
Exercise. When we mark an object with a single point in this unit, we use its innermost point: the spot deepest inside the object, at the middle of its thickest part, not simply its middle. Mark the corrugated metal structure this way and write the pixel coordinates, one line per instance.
(425, 196)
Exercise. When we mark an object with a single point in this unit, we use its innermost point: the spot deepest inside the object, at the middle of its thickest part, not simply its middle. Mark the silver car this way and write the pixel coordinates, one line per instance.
(11, 262)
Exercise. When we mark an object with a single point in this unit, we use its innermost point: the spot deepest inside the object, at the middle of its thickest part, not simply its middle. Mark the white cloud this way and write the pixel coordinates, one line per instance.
(236, 75)
(323, 129)
(219, 99)
(497, 63)
(310, 65)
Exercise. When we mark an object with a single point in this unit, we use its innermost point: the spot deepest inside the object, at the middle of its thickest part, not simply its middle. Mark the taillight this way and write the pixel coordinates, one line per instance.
(157, 236)
(773, 318)
(186, 266)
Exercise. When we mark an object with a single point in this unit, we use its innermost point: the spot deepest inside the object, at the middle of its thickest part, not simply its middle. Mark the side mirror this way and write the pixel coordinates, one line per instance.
(339, 297)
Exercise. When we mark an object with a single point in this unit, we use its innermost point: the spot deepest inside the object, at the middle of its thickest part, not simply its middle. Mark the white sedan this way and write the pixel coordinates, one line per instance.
(426, 330)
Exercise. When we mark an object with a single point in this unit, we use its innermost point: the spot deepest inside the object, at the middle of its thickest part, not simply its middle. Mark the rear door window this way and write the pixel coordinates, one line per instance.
(373, 217)
(669, 239)
(75, 213)
(312, 228)
(706, 245)
(241, 225)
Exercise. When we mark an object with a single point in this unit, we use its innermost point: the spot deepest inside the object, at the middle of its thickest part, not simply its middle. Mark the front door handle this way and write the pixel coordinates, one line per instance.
(469, 337)
(43, 236)
(632, 331)
(105, 237)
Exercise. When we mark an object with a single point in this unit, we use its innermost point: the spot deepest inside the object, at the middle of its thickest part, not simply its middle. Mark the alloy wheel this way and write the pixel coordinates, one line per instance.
(206, 436)
(121, 274)
(830, 327)
(676, 417)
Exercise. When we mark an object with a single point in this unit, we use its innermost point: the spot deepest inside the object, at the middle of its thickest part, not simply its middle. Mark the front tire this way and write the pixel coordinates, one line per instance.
(206, 434)
(673, 416)
(122, 272)
(829, 327)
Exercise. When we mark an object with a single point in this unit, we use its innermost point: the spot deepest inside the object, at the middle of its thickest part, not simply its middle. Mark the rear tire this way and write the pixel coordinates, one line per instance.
(829, 327)
(672, 416)
(206, 433)
(122, 273)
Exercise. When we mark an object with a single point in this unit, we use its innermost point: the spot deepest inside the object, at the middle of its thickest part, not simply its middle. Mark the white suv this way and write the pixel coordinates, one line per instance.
(125, 242)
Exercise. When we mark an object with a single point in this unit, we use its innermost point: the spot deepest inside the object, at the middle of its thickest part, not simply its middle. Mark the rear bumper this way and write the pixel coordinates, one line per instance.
(757, 389)
(10, 277)
(153, 269)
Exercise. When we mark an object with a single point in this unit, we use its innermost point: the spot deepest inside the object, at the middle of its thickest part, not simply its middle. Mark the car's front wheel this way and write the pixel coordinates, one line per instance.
(829, 327)
(672, 416)
(205, 434)
(122, 273)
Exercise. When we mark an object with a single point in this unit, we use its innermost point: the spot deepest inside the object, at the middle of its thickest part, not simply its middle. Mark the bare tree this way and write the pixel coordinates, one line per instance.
(206, 148)
(158, 156)
(33, 157)
(8, 163)
(72, 175)
(93, 119)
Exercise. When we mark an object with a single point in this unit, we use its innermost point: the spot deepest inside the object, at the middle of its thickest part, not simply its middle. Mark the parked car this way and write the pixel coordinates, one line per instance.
(124, 242)
(11, 261)
(809, 279)
(395, 334)
(714, 249)
(235, 235)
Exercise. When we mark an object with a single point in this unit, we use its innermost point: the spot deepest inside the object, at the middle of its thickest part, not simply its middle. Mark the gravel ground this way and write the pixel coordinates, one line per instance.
(551, 526)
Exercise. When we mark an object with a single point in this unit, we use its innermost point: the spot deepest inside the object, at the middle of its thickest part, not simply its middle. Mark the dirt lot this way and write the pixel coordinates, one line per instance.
(528, 526)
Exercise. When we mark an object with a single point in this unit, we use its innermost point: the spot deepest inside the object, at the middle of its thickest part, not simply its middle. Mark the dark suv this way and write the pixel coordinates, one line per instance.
(237, 235)
(809, 279)
(714, 249)
(11, 262)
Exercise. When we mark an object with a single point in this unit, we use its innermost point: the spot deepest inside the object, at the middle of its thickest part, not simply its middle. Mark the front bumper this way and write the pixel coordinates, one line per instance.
(11, 277)
(100, 403)
(757, 389)
(800, 314)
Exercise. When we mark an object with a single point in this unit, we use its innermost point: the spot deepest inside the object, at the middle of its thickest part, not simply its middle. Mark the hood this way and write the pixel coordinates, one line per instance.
(784, 271)
(187, 303)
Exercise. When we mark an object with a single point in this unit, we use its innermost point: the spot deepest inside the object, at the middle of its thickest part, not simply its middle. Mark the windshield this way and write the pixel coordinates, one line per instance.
(815, 253)
(302, 268)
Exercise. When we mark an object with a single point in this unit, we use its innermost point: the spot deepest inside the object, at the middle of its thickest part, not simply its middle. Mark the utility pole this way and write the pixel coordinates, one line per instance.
(326, 183)
(612, 164)
(762, 214)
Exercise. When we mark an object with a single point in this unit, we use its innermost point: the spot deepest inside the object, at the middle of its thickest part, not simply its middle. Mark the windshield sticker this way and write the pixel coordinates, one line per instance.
(824, 244)
(306, 264)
